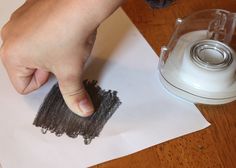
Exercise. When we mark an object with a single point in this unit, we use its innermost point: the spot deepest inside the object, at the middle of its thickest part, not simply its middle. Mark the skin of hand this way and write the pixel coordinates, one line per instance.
(53, 36)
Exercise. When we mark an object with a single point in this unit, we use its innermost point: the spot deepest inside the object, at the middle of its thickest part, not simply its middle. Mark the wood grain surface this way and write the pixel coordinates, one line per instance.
(212, 147)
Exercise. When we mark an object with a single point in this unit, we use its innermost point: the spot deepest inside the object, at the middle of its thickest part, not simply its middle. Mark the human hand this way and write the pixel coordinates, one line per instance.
(52, 36)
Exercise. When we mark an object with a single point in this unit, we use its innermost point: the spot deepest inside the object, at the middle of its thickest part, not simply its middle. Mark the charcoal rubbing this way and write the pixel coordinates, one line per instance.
(159, 3)
(56, 117)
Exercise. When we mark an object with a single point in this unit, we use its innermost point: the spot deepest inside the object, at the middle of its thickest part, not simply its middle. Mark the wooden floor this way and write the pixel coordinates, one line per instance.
(212, 147)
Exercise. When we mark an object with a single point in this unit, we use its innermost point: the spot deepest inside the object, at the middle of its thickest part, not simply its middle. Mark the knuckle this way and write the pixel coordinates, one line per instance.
(70, 86)
(78, 92)
(21, 91)
(69, 78)
(9, 55)
(1, 51)
(3, 32)
(13, 15)
(5, 52)
(18, 84)
(10, 48)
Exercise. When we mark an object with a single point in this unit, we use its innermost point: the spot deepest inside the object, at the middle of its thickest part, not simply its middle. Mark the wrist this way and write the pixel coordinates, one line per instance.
(97, 11)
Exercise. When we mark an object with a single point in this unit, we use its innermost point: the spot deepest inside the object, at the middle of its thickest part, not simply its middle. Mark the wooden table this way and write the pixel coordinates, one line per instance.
(212, 147)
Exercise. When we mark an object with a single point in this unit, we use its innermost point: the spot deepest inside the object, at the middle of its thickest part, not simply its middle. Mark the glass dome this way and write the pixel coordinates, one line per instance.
(199, 62)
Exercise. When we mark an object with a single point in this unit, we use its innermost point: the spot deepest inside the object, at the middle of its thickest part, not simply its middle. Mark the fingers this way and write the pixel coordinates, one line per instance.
(24, 80)
(34, 80)
(27, 80)
(75, 95)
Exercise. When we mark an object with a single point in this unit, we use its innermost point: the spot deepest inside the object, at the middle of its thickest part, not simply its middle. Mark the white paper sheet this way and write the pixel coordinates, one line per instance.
(123, 61)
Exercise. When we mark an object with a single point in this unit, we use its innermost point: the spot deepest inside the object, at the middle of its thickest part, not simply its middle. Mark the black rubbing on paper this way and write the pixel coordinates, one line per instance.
(56, 117)
(159, 3)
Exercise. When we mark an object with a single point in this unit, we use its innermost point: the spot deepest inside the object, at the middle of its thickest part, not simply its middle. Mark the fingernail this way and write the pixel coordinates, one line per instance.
(86, 107)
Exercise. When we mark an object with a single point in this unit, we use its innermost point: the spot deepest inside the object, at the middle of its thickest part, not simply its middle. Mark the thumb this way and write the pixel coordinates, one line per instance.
(75, 95)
